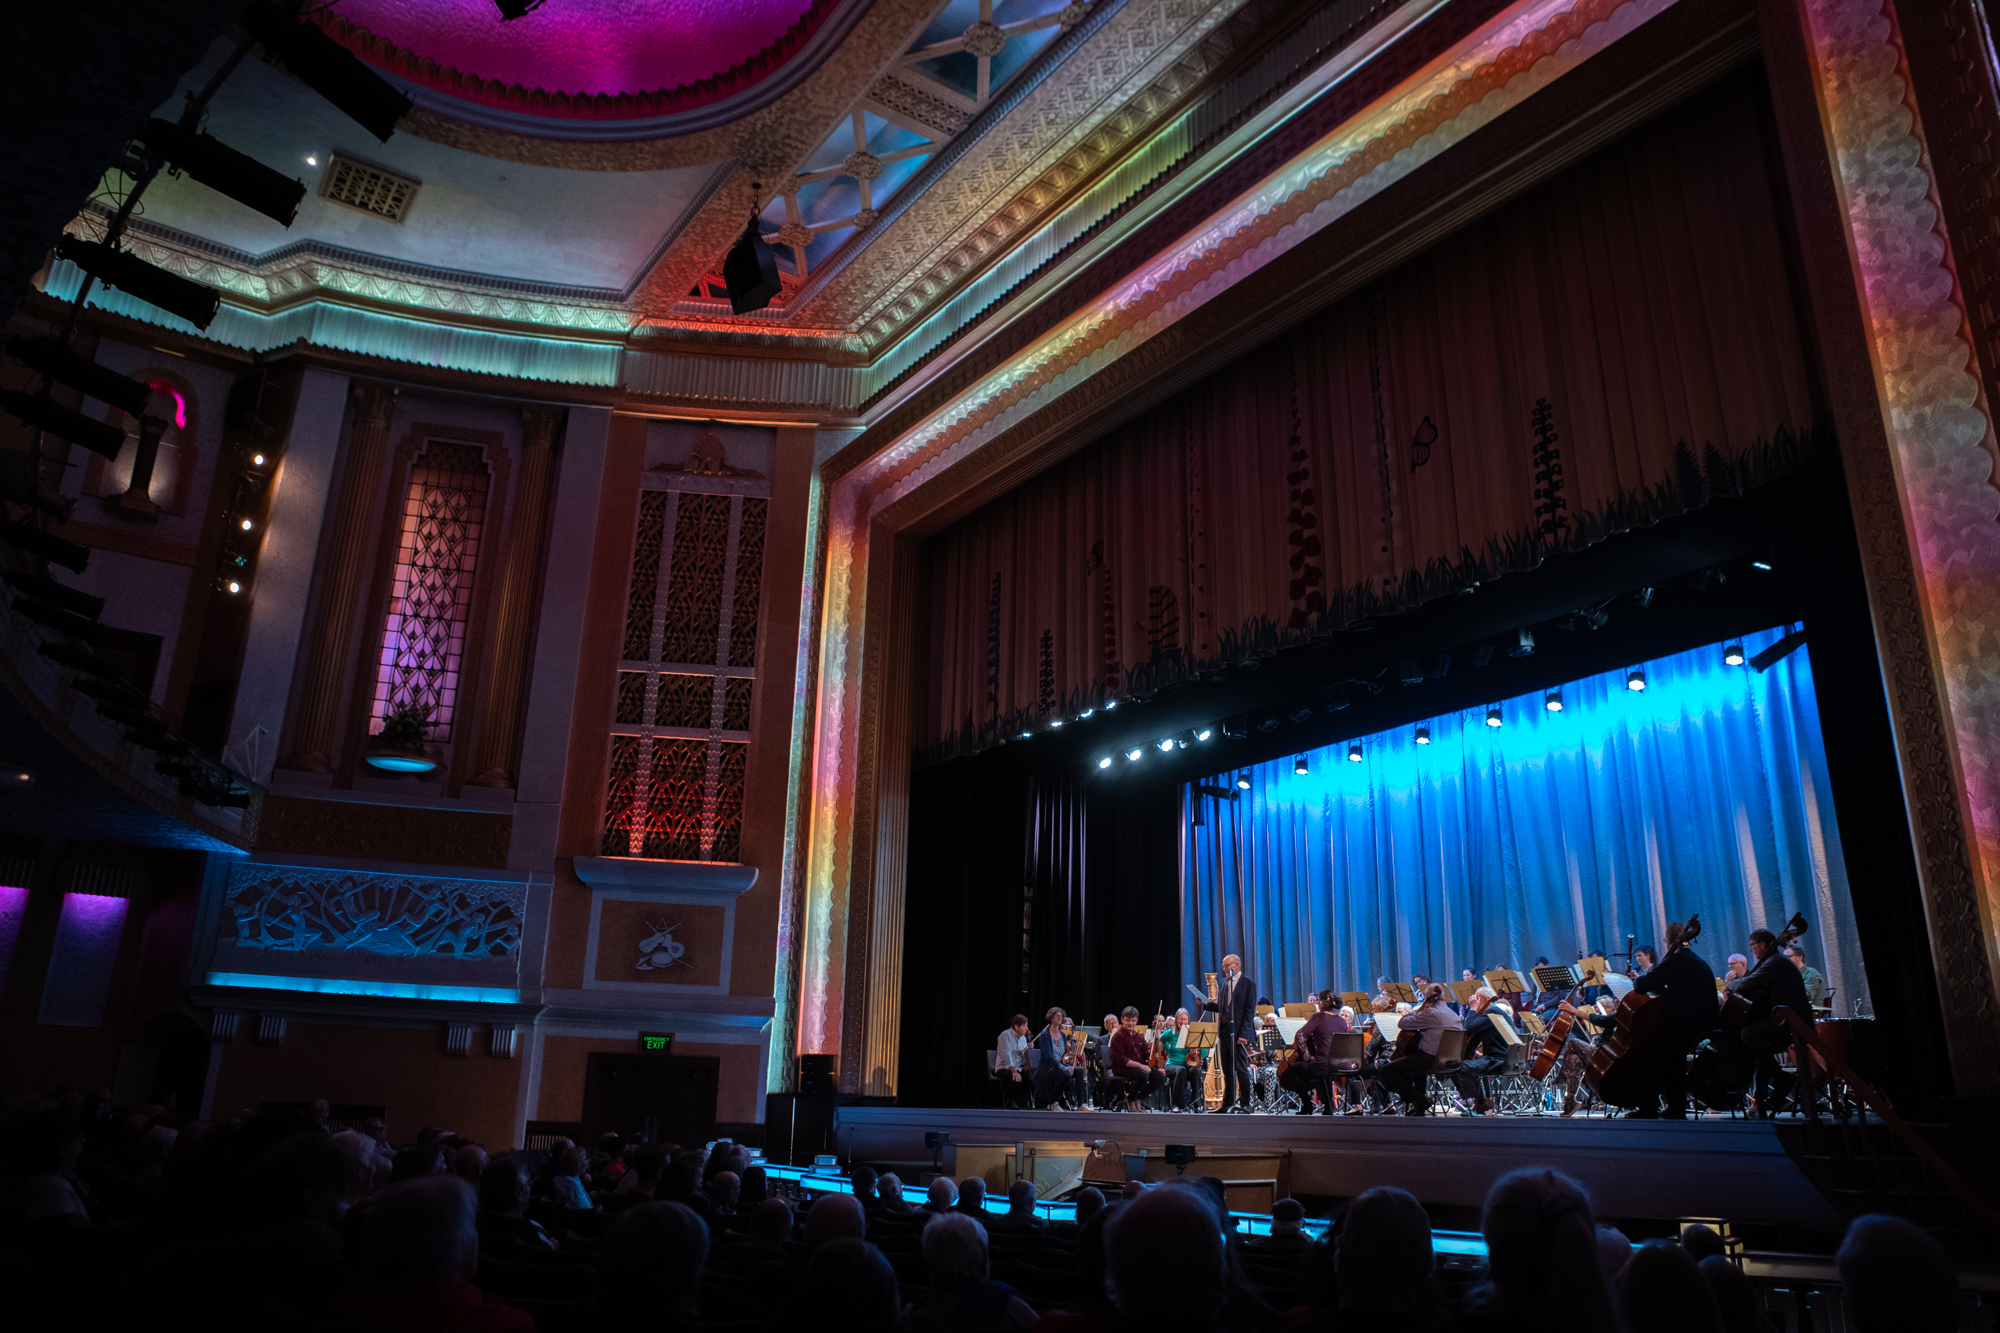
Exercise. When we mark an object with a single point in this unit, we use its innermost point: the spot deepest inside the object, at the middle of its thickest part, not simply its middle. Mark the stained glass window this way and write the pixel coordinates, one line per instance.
(430, 601)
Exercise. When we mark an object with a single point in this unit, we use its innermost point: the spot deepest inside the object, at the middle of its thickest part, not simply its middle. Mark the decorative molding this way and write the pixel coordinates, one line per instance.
(297, 910)
(223, 1025)
(685, 881)
(271, 1029)
(293, 825)
(506, 1042)
(458, 1038)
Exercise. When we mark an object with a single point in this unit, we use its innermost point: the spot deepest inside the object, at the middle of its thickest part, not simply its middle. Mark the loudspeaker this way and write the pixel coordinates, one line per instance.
(816, 1075)
(750, 271)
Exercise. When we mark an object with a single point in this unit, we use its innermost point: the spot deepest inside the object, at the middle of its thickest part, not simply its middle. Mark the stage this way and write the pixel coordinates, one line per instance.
(1633, 1168)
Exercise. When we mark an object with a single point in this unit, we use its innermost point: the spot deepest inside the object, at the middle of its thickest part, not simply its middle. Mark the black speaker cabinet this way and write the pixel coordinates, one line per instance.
(816, 1075)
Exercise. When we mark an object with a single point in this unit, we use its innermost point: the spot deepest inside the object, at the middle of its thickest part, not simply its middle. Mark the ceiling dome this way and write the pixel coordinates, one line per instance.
(596, 59)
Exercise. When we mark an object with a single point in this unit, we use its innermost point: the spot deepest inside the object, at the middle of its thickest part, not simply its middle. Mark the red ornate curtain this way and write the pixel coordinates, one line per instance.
(1618, 345)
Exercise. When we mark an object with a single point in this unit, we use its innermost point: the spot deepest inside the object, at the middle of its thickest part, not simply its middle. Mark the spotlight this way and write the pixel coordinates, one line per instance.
(234, 587)
(750, 271)
(1302, 712)
(226, 171)
(1105, 762)
(1524, 643)
(1055, 725)
(1204, 733)
(1644, 597)
(1733, 654)
(1135, 753)
(1493, 716)
(96, 436)
(328, 68)
(1085, 713)
(1165, 745)
(170, 292)
(55, 550)
(1027, 735)
(51, 358)
(1635, 679)
(1412, 673)
(1553, 701)
(1269, 723)
(1764, 565)
(1299, 765)
(312, 160)
(246, 525)
(257, 460)
(1243, 782)
(1424, 734)
(1113, 704)
(1354, 754)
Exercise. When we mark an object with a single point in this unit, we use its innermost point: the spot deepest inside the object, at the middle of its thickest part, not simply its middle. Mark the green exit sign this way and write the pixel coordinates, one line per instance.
(656, 1043)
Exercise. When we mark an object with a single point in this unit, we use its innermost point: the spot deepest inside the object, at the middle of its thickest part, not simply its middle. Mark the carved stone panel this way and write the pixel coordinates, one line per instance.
(663, 944)
(289, 909)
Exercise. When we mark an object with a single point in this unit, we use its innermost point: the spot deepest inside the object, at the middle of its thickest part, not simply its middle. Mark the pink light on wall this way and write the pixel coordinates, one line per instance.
(83, 959)
(13, 906)
(166, 390)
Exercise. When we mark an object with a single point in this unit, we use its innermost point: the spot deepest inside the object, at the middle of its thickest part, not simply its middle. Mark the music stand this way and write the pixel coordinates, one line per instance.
(1356, 1000)
(1294, 1009)
(1503, 1027)
(1200, 1036)
(1463, 991)
(1592, 970)
(1400, 992)
(1506, 981)
(1556, 977)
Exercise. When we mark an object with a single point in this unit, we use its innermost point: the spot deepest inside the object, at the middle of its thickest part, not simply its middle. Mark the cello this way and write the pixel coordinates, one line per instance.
(1616, 1069)
(1550, 1055)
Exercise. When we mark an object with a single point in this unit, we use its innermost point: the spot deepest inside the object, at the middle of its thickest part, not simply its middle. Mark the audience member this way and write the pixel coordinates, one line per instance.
(1166, 1222)
(1700, 1242)
(417, 1161)
(941, 1198)
(1735, 1299)
(419, 1247)
(566, 1178)
(862, 1178)
(503, 1208)
(770, 1226)
(834, 1217)
(723, 1191)
(642, 1182)
(1098, 1315)
(469, 1163)
(1662, 1291)
(890, 1187)
(1541, 1255)
(1614, 1251)
(45, 1152)
(972, 1199)
(649, 1267)
(1089, 1203)
(853, 1287)
(1382, 1258)
(963, 1298)
(1020, 1214)
(1288, 1230)
(755, 1188)
(1897, 1277)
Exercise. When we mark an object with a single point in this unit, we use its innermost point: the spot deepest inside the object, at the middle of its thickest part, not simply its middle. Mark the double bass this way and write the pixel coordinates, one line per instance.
(1721, 1067)
(1616, 1069)
(1550, 1055)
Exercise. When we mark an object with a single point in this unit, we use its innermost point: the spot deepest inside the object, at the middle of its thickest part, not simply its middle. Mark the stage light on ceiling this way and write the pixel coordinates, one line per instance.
(1113, 704)
(246, 525)
(328, 68)
(1733, 654)
(1105, 762)
(224, 170)
(1524, 643)
(1136, 753)
(97, 436)
(1553, 701)
(233, 587)
(1165, 744)
(1493, 716)
(1764, 565)
(1203, 733)
(51, 358)
(169, 291)
(750, 271)
(1243, 782)
(1085, 713)
(1299, 765)
(1354, 754)
(311, 160)
(1055, 724)
(256, 460)
(1635, 679)
(1027, 735)
(1424, 734)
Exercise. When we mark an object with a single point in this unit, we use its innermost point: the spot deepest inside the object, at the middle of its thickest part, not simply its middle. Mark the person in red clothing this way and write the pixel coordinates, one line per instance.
(419, 1248)
(1136, 1077)
(1313, 1044)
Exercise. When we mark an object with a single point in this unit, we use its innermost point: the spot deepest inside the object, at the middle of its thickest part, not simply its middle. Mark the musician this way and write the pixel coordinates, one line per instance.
(1738, 967)
(1544, 1001)
(1382, 994)
(1485, 1049)
(1131, 1071)
(1312, 1049)
(1183, 1066)
(1100, 1059)
(1235, 1008)
(1010, 1070)
(1591, 1020)
(1404, 1075)
(1645, 960)
(1816, 990)
(1687, 988)
(1774, 981)
(1061, 1074)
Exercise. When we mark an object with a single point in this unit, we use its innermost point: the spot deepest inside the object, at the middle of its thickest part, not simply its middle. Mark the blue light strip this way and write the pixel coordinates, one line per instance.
(394, 990)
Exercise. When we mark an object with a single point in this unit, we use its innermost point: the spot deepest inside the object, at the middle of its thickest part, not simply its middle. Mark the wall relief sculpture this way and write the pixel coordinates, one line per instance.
(402, 916)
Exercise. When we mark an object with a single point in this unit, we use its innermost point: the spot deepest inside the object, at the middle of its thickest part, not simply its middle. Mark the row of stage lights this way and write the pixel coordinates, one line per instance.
(1635, 681)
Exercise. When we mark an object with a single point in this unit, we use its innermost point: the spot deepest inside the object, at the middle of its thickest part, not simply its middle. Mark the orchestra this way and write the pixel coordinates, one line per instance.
(1642, 1041)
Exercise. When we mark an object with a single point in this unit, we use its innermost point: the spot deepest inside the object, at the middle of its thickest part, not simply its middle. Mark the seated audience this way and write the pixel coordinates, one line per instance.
(649, 1268)
(1382, 1257)
(1288, 1231)
(1897, 1278)
(862, 1178)
(834, 1217)
(1020, 1214)
(890, 1187)
(1614, 1251)
(566, 1178)
(469, 1163)
(1541, 1256)
(1700, 1242)
(756, 1188)
(417, 1161)
(853, 1287)
(941, 1198)
(723, 1192)
(1179, 1223)
(963, 1298)
(419, 1247)
(503, 1209)
(1661, 1290)
(770, 1228)
(1098, 1315)
(972, 1199)
(1735, 1299)
(642, 1182)
(1089, 1203)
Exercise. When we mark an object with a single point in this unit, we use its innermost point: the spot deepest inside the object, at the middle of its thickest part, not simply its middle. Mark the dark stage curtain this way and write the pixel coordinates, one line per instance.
(1024, 893)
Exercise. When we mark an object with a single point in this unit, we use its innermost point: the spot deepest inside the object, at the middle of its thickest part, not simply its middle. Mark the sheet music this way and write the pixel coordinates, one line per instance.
(1386, 1024)
(1288, 1028)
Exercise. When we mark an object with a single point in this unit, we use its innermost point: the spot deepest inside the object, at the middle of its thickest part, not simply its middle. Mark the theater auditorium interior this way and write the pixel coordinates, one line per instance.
(961, 664)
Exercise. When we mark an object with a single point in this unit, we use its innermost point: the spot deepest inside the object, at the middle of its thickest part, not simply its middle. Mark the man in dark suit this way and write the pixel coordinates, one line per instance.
(1235, 1008)
(1772, 981)
(1687, 988)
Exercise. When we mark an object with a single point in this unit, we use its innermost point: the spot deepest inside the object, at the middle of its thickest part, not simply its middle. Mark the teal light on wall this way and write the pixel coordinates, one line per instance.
(393, 990)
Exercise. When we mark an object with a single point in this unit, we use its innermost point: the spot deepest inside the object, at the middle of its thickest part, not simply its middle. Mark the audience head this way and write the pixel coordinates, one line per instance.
(1663, 1291)
(1132, 1190)
(308, 1177)
(854, 1285)
(725, 1190)
(1538, 1225)
(890, 1187)
(650, 1263)
(943, 1194)
(648, 1161)
(834, 1217)
(1383, 1257)
(770, 1224)
(1700, 1242)
(955, 1251)
(1166, 1221)
(566, 1161)
(1896, 1276)
(1288, 1217)
(1735, 1299)
(863, 1180)
(503, 1187)
(420, 1235)
(417, 1161)
(1089, 1204)
(972, 1192)
(47, 1143)
(682, 1178)
(1614, 1251)
(754, 1188)
(469, 1163)
(1021, 1199)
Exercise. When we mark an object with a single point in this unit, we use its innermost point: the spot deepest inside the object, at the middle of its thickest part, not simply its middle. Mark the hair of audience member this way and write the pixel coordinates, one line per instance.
(649, 1263)
(890, 1187)
(972, 1192)
(503, 1187)
(1132, 1190)
(863, 1180)
(469, 1163)
(567, 1161)
(1090, 1270)
(1614, 1251)
(942, 1192)
(1700, 1242)
(308, 1176)
(417, 1161)
(648, 1161)
(724, 1189)
(1382, 1256)
(1021, 1199)
(1289, 1213)
(1541, 1248)
(853, 1285)
(1662, 1291)
(754, 1189)
(420, 1235)
(770, 1224)
(955, 1250)
(1735, 1299)
(1179, 1222)
(834, 1217)
(682, 1179)
(1089, 1204)
(1896, 1276)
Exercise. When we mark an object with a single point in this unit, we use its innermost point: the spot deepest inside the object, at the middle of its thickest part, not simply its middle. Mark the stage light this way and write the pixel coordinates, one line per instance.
(1524, 643)
(1644, 597)
(1165, 744)
(51, 358)
(1302, 712)
(311, 160)
(1424, 734)
(1299, 765)
(1085, 713)
(1055, 725)
(224, 170)
(1027, 735)
(1733, 654)
(256, 460)
(1268, 723)
(1354, 754)
(1204, 733)
(170, 292)
(234, 587)
(246, 525)
(1113, 704)
(1105, 762)
(1635, 679)
(1243, 782)
(1764, 565)
(96, 436)
(750, 271)
(1493, 716)
(328, 68)
(1412, 672)
(1136, 753)
(1553, 701)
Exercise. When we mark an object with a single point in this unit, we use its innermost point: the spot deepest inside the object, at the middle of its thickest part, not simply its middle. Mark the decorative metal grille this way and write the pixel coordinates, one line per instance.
(371, 190)
(430, 602)
(680, 739)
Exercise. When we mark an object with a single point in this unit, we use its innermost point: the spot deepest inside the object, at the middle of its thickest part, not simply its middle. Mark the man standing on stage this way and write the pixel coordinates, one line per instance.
(1235, 1008)
(1687, 988)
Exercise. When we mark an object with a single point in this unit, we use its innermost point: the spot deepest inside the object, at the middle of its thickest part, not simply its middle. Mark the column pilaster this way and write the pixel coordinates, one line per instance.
(513, 646)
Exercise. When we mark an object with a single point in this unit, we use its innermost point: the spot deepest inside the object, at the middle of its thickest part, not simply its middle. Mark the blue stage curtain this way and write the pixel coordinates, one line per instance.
(1554, 833)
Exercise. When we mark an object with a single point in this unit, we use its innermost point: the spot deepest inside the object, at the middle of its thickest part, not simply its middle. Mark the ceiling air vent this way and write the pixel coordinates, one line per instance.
(371, 190)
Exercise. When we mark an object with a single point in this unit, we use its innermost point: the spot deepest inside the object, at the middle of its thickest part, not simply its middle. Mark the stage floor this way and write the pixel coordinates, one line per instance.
(1633, 1168)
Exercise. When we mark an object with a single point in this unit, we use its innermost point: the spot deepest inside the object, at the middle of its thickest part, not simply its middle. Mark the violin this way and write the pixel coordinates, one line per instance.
(1156, 1053)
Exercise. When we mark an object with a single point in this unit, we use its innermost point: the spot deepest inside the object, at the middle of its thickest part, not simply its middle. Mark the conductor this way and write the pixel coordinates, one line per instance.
(1235, 1008)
